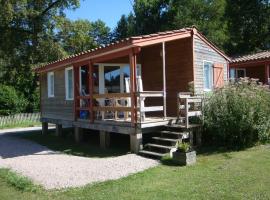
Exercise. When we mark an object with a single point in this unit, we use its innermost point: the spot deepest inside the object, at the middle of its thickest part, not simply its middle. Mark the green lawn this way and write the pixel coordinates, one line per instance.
(217, 175)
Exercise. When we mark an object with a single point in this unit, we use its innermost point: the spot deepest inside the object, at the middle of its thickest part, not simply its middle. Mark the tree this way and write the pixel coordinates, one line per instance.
(236, 26)
(27, 29)
(249, 26)
(150, 15)
(80, 35)
(207, 16)
(125, 27)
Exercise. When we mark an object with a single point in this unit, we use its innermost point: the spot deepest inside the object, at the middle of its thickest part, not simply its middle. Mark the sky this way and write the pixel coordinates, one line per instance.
(108, 11)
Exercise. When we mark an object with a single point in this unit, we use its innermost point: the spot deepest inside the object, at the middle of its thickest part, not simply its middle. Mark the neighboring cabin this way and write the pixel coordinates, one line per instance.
(130, 86)
(253, 66)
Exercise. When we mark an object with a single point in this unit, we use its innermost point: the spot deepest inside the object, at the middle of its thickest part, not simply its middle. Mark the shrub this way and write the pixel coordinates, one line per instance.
(19, 182)
(238, 115)
(10, 101)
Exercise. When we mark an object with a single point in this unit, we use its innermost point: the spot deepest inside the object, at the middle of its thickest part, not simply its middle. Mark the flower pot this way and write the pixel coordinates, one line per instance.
(182, 158)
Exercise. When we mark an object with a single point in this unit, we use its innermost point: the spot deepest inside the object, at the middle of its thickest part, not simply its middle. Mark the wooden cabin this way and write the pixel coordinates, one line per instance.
(255, 66)
(131, 86)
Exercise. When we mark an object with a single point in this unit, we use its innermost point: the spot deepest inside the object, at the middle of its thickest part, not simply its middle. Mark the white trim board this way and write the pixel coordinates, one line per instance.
(66, 83)
(49, 92)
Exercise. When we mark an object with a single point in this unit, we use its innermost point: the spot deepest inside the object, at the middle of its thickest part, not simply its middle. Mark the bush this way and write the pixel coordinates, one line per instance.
(10, 101)
(238, 115)
(19, 182)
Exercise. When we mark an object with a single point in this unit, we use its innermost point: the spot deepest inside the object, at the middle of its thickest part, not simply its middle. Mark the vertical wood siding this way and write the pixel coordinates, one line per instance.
(56, 107)
(179, 70)
(203, 52)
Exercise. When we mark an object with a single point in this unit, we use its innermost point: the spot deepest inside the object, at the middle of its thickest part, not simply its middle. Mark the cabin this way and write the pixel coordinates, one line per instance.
(133, 86)
(255, 66)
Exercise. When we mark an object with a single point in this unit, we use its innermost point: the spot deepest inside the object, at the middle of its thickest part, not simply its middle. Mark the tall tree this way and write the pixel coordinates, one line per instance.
(27, 28)
(249, 26)
(125, 27)
(81, 35)
(208, 16)
(236, 26)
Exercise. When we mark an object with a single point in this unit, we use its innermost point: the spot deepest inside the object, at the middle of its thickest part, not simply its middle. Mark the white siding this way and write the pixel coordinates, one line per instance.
(203, 52)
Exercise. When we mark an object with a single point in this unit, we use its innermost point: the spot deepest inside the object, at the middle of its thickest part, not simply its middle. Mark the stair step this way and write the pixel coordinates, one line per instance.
(165, 139)
(185, 135)
(159, 146)
(183, 126)
(152, 153)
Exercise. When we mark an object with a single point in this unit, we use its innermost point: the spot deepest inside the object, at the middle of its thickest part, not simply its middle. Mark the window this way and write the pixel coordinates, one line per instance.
(50, 84)
(208, 75)
(240, 73)
(69, 83)
(232, 73)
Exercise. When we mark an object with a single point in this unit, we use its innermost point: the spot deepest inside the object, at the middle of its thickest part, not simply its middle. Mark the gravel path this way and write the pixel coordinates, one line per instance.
(54, 170)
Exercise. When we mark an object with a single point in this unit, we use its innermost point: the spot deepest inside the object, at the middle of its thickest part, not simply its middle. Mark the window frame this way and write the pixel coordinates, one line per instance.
(212, 76)
(66, 84)
(49, 85)
(240, 69)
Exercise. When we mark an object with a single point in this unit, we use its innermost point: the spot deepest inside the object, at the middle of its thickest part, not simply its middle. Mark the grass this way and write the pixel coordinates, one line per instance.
(67, 145)
(217, 175)
(19, 182)
(20, 125)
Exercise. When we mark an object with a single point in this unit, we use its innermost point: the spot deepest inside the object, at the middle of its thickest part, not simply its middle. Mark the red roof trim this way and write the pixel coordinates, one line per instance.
(251, 63)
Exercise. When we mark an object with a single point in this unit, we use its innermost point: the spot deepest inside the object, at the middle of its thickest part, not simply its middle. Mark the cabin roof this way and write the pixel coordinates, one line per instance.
(135, 41)
(252, 57)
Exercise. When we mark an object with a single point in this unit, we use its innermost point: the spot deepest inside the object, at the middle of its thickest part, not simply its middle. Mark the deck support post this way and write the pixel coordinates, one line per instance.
(199, 137)
(104, 138)
(91, 90)
(58, 130)
(191, 137)
(135, 142)
(267, 73)
(44, 128)
(164, 80)
(76, 79)
(133, 86)
(78, 133)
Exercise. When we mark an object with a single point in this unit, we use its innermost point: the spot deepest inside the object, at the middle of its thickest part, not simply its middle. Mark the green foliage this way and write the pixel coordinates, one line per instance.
(125, 27)
(19, 182)
(227, 23)
(183, 146)
(80, 35)
(238, 114)
(10, 101)
(248, 26)
(36, 32)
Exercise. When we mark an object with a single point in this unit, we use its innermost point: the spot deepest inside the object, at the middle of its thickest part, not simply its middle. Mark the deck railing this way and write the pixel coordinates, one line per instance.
(118, 105)
(188, 106)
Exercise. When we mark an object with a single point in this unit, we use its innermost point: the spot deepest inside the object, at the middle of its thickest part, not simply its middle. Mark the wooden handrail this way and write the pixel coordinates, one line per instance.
(150, 94)
(124, 95)
(111, 95)
(83, 97)
(184, 103)
(113, 108)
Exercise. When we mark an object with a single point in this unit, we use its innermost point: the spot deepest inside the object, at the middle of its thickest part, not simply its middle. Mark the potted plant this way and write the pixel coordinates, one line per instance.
(184, 154)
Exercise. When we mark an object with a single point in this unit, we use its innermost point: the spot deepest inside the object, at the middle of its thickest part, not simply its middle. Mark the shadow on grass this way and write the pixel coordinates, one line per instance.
(168, 161)
(66, 144)
(224, 151)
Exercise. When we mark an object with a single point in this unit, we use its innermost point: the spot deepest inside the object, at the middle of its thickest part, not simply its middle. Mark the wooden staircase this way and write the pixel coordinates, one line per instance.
(164, 141)
(179, 129)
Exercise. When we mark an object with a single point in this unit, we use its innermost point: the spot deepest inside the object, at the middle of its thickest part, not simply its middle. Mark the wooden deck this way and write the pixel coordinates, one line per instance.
(116, 125)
